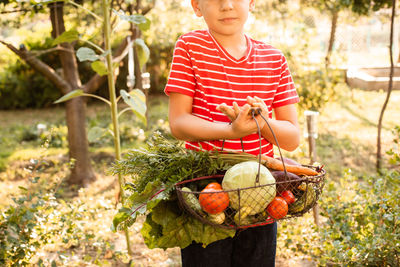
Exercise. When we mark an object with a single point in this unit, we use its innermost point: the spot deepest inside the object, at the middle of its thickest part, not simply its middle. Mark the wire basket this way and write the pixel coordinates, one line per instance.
(288, 196)
(248, 212)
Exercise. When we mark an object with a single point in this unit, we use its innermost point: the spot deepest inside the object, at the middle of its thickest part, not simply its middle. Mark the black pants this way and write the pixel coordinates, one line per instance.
(253, 247)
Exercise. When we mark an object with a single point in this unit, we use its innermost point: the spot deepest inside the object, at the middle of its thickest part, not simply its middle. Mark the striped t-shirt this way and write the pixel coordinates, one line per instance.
(204, 70)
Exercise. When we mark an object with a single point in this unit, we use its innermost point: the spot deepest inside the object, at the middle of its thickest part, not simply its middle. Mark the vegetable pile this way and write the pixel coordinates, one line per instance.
(153, 172)
(237, 192)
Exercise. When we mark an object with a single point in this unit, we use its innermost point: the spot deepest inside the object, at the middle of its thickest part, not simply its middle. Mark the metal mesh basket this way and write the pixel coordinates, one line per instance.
(247, 212)
(289, 196)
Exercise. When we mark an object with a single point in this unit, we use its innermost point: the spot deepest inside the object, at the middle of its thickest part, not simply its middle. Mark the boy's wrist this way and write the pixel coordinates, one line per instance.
(230, 132)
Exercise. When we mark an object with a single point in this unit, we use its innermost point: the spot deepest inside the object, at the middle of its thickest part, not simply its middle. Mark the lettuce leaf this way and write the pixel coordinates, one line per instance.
(167, 227)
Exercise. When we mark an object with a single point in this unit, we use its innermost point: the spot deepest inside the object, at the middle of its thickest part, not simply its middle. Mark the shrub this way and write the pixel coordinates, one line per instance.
(359, 224)
(316, 87)
(363, 219)
(21, 87)
(21, 224)
(39, 216)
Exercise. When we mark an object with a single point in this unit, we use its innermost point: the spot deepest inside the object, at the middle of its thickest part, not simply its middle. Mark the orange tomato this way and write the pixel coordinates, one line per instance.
(214, 185)
(278, 208)
(288, 196)
(213, 201)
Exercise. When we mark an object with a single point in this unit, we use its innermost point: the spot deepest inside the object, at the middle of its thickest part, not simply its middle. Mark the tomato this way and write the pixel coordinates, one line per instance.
(214, 185)
(278, 208)
(288, 196)
(213, 201)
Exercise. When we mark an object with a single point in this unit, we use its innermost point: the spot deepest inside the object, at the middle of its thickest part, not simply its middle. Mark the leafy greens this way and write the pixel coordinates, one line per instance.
(154, 171)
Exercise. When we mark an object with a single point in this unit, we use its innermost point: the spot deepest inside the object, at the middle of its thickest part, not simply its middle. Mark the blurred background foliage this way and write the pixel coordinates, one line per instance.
(360, 210)
(298, 28)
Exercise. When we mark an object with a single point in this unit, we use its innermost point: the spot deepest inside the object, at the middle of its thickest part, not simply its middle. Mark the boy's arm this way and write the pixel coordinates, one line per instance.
(285, 127)
(185, 126)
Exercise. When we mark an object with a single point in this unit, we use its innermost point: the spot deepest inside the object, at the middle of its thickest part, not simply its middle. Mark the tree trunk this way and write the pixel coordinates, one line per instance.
(335, 16)
(390, 87)
(82, 172)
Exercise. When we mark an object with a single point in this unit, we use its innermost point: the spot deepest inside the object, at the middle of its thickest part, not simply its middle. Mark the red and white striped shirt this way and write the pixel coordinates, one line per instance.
(204, 70)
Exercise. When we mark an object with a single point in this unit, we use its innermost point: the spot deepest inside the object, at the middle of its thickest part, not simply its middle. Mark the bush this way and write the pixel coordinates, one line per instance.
(363, 219)
(360, 222)
(40, 216)
(21, 87)
(363, 225)
(316, 87)
(20, 226)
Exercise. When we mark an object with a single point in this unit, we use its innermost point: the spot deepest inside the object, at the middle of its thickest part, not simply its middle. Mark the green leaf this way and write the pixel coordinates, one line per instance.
(23, 188)
(145, 26)
(99, 67)
(122, 215)
(151, 232)
(140, 203)
(95, 133)
(140, 20)
(86, 54)
(136, 100)
(143, 52)
(69, 96)
(150, 191)
(176, 234)
(178, 229)
(210, 233)
(67, 37)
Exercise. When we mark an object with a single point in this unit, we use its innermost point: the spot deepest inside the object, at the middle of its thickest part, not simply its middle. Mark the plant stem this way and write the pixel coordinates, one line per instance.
(87, 10)
(98, 97)
(114, 109)
(93, 44)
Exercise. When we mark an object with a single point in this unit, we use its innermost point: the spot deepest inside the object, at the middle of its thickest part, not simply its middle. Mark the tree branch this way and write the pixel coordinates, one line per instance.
(40, 67)
(37, 53)
(14, 11)
(96, 81)
(148, 8)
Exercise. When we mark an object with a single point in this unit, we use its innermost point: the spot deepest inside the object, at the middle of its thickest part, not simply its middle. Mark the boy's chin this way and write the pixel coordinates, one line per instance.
(225, 32)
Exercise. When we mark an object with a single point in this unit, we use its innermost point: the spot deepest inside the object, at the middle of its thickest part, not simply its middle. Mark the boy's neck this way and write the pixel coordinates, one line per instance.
(235, 45)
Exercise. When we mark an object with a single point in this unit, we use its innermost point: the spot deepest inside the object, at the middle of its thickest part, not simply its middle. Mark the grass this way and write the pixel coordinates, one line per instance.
(347, 140)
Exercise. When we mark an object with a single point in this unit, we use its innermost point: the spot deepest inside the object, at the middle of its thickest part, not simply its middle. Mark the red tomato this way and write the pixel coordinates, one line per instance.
(288, 196)
(214, 185)
(278, 208)
(213, 201)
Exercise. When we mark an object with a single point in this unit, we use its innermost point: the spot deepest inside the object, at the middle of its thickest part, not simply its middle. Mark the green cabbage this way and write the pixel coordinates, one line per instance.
(243, 175)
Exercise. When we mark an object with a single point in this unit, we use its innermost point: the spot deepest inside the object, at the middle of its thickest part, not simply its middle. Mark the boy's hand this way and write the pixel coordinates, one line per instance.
(258, 103)
(231, 112)
(244, 124)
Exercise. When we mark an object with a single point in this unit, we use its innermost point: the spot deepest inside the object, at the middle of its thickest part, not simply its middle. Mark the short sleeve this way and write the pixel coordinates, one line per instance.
(286, 93)
(181, 78)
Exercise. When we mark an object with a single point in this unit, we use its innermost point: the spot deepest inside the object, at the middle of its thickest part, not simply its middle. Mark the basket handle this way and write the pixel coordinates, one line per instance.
(258, 112)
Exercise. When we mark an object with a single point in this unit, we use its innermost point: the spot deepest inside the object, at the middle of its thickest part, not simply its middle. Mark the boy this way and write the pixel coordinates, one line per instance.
(216, 76)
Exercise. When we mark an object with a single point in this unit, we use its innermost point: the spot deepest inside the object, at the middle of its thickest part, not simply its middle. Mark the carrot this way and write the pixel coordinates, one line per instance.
(276, 164)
